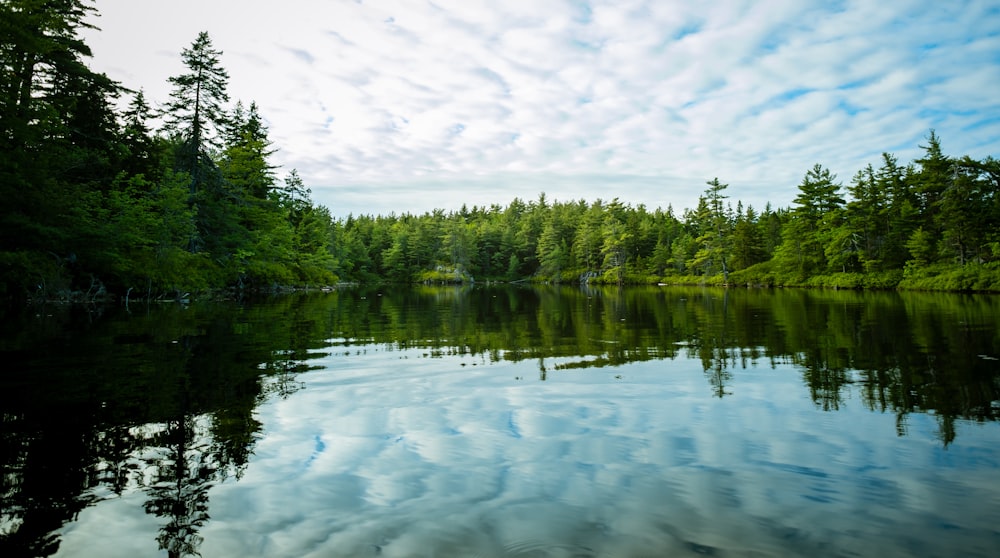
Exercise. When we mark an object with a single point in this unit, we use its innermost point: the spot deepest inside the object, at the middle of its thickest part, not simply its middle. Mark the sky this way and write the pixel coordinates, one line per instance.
(406, 106)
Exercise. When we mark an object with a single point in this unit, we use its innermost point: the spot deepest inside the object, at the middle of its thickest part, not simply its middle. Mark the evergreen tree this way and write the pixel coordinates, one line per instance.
(553, 250)
(295, 196)
(529, 228)
(427, 240)
(196, 111)
(57, 145)
(616, 237)
(935, 174)
(587, 242)
(248, 173)
(805, 236)
(714, 228)
(489, 232)
(315, 232)
(666, 229)
(862, 222)
(769, 225)
(457, 243)
(144, 150)
(969, 212)
(899, 216)
(40, 48)
(748, 246)
(396, 259)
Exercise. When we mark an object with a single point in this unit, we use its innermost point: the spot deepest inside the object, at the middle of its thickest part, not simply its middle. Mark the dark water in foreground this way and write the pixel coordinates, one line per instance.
(506, 422)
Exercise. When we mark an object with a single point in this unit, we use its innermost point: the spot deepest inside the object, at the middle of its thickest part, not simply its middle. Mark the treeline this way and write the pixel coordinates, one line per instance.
(146, 202)
(931, 224)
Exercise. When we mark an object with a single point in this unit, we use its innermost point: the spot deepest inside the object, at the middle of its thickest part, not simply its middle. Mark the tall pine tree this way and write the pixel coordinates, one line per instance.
(196, 112)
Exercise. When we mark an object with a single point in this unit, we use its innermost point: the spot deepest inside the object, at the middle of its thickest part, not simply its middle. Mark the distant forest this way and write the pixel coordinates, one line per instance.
(104, 195)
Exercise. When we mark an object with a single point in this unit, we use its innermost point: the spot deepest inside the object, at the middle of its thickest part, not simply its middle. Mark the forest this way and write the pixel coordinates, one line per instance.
(107, 197)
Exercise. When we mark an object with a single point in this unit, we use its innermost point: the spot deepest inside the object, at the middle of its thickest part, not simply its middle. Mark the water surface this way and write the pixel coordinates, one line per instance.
(507, 422)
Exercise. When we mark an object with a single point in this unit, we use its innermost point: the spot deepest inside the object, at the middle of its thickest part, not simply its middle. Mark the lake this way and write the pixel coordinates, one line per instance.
(499, 421)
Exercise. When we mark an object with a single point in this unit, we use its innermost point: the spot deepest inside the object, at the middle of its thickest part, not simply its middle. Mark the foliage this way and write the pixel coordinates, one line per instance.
(99, 201)
(444, 275)
(944, 277)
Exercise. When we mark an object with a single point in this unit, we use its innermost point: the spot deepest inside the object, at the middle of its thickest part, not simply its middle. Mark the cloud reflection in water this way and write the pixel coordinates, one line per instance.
(394, 454)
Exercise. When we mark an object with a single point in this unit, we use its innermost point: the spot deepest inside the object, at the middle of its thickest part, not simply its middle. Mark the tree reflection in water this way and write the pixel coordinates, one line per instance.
(101, 405)
(161, 403)
(179, 490)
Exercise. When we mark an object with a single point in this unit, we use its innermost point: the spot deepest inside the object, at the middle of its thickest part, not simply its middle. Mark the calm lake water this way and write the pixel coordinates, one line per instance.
(498, 421)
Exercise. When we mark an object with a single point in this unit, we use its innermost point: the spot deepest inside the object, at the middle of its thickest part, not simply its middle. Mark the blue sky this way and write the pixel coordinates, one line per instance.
(410, 105)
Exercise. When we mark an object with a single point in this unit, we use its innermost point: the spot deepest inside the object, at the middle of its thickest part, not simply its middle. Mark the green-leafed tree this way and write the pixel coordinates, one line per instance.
(425, 244)
(921, 247)
(489, 234)
(152, 225)
(666, 228)
(396, 260)
(247, 168)
(969, 212)
(40, 48)
(769, 224)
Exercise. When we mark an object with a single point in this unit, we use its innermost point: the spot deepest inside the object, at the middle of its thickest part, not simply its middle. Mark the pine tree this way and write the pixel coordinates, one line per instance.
(616, 238)
(196, 111)
(899, 217)
(40, 45)
(862, 218)
(935, 174)
(553, 253)
(245, 167)
(805, 236)
(57, 142)
(143, 148)
(714, 231)
(748, 246)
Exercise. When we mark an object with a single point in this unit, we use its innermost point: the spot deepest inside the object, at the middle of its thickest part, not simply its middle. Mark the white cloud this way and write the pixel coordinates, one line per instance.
(373, 458)
(386, 105)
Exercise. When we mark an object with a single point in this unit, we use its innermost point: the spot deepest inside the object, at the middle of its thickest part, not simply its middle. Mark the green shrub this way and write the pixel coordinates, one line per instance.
(759, 275)
(945, 277)
(444, 274)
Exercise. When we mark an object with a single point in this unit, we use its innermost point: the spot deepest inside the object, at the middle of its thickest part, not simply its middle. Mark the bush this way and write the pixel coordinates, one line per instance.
(697, 280)
(883, 279)
(444, 274)
(759, 275)
(944, 277)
